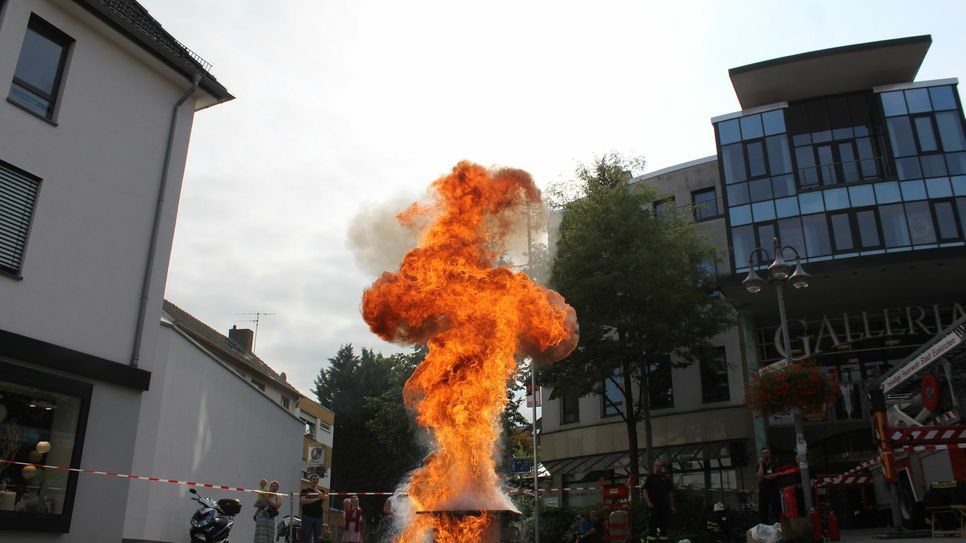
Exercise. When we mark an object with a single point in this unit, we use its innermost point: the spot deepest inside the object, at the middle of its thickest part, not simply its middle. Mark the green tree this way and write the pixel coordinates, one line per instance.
(374, 442)
(638, 283)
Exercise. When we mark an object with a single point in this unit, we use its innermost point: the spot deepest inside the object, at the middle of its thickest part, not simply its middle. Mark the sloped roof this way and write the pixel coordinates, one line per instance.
(133, 21)
(230, 352)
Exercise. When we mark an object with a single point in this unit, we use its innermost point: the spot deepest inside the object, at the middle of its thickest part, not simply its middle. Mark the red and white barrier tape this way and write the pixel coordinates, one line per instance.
(252, 490)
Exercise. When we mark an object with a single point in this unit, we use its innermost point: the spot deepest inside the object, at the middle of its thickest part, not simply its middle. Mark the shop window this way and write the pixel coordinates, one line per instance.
(714, 378)
(43, 419)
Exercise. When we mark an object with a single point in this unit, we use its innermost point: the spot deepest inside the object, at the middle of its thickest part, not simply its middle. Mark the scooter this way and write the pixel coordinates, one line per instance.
(283, 528)
(213, 520)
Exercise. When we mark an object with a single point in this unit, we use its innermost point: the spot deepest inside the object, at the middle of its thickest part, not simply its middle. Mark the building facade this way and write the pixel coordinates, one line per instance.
(317, 447)
(862, 170)
(99, 106)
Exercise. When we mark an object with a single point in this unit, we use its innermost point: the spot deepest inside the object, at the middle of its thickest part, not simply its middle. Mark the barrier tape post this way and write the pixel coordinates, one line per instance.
(291, 516)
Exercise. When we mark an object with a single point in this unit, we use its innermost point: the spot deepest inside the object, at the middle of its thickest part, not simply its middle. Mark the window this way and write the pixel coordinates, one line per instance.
(661, 391)
(714, 378)
(325, 427)
(664, 207)
(285, 403)
(40, 68)
(47, 416)
(613, 398)
(18, 196)
(705, 204)
(570, 408)
(309, 428)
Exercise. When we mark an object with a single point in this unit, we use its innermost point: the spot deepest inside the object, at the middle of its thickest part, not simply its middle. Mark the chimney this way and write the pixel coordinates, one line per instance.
(284, 377)
(242, 337)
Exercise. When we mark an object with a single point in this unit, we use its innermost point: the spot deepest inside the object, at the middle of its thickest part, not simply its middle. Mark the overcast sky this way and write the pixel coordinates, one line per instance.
(343, 107)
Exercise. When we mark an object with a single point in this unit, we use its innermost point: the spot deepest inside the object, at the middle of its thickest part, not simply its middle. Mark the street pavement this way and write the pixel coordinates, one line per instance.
(885, 535)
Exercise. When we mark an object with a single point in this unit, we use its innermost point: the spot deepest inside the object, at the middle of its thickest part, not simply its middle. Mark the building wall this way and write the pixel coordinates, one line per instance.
(101, 168)
(204, 423)
(87, 248)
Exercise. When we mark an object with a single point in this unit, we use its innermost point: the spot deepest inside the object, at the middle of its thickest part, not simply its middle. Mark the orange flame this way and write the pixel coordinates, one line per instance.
(474, 319)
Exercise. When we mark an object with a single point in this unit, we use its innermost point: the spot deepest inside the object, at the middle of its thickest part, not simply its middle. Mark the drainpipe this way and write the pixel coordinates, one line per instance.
(149, 265)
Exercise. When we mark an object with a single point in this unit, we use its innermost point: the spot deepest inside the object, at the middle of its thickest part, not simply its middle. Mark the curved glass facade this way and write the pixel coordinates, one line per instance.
(849, 175)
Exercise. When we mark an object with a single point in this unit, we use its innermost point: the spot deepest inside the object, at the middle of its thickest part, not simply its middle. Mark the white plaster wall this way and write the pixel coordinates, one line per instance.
(101, 168)
(202, 422)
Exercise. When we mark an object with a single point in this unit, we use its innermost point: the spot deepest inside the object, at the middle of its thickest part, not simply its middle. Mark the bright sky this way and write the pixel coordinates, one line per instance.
(344, 106)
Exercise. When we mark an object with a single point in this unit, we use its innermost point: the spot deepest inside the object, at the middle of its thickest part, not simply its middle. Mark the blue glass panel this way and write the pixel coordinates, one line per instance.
(817, 240)
(942, 98)
(908, 168)
(790, 233)
(913, 190)
(893, 103)
(811, 202)
(743, 240)
(751, 127)
(959, 186)
(951, 131)
(956, 163)
(728, 132)
(787, 207)
(900, 135)
(933, 165)
(733, 163)
(862, 196)
(740, 215)
(887, 193)
(774, 121)
(894, 227)
(738, 194)
(783, 185)
(760, 189)
(779, 157)
(763, 211)
(939, 188)
(836, 199)
(918, 100)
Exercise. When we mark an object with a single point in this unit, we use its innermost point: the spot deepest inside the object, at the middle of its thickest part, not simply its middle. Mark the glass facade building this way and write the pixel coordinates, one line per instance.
(862, 173)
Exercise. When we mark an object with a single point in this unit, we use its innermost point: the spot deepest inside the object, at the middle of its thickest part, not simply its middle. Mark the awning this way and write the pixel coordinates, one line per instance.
(689, 457)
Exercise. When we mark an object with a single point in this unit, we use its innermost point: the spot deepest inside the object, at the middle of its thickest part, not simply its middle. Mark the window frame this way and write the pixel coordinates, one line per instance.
(606, 409)
(565, 417)
(718, 211)
(47, 30)
(722, 354)
(83, 391)
(6, 270)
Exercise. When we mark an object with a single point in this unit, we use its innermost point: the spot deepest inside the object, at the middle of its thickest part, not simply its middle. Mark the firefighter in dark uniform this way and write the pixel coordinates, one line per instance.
(659, 495)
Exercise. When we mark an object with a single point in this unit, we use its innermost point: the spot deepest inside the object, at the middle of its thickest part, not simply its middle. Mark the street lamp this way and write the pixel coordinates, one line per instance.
(778, 274)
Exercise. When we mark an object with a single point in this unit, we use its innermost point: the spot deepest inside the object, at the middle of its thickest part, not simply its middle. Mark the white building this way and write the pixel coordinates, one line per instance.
(213, 415)
(95, 126)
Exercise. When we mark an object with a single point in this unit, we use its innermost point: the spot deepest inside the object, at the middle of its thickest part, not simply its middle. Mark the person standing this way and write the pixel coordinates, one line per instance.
(596, 532)
(266, 509)
(353, 522)
(769, 498)
(659, 495)
(312, 499)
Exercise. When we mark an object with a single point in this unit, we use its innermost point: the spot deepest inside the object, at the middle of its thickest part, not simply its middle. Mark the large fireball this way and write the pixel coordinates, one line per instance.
(476, 319)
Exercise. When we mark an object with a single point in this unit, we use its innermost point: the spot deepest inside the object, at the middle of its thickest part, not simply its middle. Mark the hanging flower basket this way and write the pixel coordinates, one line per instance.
(799, 385)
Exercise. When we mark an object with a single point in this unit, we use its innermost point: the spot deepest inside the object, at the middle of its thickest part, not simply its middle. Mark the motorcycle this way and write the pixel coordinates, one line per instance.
(213, 520)
(283, 528)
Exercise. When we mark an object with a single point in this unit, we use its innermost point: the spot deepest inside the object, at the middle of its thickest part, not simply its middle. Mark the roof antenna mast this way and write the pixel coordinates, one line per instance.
(258, 316)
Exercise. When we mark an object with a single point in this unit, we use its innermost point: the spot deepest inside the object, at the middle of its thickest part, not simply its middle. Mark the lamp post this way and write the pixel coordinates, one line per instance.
(780, 272)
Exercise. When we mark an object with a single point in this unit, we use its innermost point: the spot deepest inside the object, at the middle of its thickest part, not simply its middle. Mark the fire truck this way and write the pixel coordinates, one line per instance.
(919, 418)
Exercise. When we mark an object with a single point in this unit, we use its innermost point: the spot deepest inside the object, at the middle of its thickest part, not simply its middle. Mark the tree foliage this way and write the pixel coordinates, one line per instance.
(639, 284)
(375, 441)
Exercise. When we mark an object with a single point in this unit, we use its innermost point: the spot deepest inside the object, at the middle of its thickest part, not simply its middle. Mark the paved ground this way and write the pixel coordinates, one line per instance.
(884, 535)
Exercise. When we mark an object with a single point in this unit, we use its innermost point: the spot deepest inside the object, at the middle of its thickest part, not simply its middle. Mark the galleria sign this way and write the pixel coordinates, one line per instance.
(848, 328)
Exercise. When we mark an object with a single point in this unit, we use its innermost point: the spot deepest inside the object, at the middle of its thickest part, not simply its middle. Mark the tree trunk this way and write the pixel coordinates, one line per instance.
(646, 417)
(631, 421)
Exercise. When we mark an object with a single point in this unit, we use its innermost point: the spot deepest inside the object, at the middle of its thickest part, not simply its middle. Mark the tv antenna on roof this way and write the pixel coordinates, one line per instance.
(258, 316)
